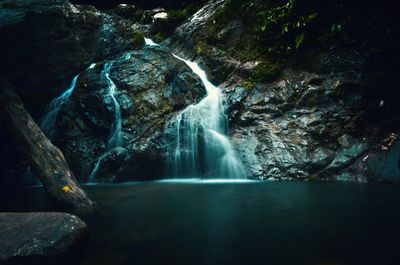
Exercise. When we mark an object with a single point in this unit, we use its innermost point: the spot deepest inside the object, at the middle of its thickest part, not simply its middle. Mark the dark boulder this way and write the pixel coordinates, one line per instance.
(47, 41)
(40, 238)
(381, 163)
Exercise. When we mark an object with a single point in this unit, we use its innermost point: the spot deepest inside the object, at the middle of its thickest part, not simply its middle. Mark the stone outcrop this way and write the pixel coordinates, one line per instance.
(40, 238)
(151, 87)
(311, 121)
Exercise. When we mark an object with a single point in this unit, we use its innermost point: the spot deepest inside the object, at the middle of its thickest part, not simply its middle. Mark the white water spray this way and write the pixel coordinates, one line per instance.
(150, 42)
(202, 147)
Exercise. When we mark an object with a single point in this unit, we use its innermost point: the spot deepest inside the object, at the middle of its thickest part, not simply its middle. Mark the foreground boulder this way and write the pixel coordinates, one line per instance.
(40, 238)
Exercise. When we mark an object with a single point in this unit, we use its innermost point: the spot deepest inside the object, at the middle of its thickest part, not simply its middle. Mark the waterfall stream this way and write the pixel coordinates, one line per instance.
(202, 147)
(48, 122)
(115, 139)
(115, 136)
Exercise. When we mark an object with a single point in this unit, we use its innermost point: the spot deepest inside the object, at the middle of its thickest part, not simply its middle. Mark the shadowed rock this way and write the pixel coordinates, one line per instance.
(40, 238)
(45, 159)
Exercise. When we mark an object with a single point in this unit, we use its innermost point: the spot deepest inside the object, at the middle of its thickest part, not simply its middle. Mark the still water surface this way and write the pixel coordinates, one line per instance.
(242, 222)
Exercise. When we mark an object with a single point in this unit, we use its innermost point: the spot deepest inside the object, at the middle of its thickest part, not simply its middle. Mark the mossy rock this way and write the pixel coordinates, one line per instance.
(138, 40)
(248, 84)
(267, 71)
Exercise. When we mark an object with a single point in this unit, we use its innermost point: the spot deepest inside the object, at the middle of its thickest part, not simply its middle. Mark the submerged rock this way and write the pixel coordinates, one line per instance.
(40, 238)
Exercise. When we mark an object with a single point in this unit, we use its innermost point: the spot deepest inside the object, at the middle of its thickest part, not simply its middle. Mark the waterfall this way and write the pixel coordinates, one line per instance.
(48, 122)
(115, 136)
(115, 139)
(201, 145)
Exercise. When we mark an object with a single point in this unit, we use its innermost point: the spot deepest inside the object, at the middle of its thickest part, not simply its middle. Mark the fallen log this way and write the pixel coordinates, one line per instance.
(45, 159)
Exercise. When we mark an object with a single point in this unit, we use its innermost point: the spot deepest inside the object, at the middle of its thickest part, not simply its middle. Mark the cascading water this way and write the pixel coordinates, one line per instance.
(150, 42)
(201, 145)
(48, 122)
(115, 139)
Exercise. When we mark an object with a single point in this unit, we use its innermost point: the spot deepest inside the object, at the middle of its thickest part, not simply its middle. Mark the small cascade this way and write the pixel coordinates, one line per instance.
(115, 139)
(150, 42)
(48, 122)
(201, 145)
(115, 136)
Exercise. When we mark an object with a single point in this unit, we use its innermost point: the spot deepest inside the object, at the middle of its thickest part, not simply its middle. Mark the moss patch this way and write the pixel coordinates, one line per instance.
(137, 40)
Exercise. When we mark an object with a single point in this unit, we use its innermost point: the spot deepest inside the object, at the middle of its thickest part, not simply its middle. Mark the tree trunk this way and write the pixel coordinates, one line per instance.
(46, 160)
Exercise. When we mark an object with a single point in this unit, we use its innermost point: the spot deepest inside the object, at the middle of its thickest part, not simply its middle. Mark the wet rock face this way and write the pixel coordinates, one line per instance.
(151, 87)
(184, 40)
(381, 163)
(301, 125)
(40, 238)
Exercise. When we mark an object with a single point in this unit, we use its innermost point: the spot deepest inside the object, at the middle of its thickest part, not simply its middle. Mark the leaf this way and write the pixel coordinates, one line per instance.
(66, 189)
(299, 40)
(285, 28)
(312, 16)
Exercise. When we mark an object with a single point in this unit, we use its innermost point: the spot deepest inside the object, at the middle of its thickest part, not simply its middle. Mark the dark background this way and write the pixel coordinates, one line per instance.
(145, 4)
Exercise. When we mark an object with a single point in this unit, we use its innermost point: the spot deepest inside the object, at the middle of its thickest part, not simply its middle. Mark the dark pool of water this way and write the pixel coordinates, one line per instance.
(287, 223)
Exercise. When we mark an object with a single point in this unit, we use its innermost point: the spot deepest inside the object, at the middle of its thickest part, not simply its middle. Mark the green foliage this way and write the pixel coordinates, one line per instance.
(146, 18)
(275, 32)
(299, 40)
(177, 16)
(248, 84)
(137, 39)
(199, 50)
(267, 71)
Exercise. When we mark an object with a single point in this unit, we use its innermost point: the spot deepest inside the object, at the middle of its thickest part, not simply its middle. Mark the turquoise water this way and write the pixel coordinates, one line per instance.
(220, 222)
